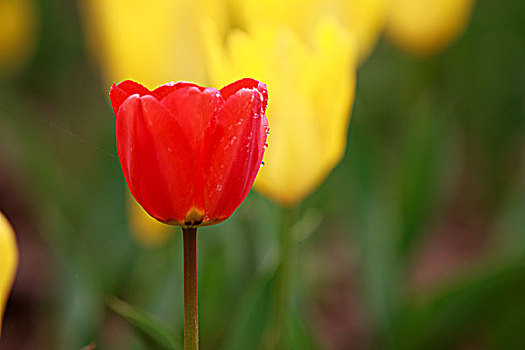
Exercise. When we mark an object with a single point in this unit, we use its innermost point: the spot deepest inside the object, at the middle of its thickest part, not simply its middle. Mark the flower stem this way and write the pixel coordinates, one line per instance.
(282, 292)
(191, 319)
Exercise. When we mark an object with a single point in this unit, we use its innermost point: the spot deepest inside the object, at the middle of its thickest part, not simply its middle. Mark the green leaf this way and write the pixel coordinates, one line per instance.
(151, 327)
(253, 314)
(378, 235)
(419, 172)
(299, 335)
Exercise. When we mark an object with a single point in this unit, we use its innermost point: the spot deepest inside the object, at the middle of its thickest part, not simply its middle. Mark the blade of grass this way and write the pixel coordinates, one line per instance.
(151, 327)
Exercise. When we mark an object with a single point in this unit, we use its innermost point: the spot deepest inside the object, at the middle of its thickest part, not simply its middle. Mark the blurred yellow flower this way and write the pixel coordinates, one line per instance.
(8, 262)
(144, 228)
(363, 19)
(151, 41)
(311, 90)
(425, 27)
(17, 33)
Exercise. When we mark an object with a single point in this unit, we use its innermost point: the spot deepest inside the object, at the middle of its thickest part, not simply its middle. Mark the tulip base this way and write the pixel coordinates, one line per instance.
(191, 319)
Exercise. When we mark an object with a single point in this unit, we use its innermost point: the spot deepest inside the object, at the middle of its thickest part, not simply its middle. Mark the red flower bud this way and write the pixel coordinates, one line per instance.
(190, 154)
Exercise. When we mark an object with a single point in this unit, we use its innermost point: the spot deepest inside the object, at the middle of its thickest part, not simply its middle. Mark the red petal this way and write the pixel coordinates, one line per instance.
(156, 158)
(195, 109)
(246, 83)
(133, 88)
(120, 92)
(235, 149)
(166, 89)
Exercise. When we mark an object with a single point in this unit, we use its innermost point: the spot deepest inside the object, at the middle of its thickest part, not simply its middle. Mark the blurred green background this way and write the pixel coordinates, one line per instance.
(415, 241)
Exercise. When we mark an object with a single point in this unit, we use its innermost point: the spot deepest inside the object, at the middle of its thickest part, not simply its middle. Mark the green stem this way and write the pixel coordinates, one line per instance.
(282, 297)
(191, 319)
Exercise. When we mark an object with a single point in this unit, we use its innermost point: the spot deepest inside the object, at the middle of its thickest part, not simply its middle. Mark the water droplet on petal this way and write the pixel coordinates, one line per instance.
(262, 164)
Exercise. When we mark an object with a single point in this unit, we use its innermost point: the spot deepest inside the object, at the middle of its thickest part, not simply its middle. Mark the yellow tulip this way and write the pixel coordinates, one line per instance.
(311, 89)
(425, 27)
(363, 19)
(8, 262)
(17, 33)
(150, 41)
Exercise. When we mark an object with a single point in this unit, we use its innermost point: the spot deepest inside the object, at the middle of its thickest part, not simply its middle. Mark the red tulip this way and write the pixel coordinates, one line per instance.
(190, 154)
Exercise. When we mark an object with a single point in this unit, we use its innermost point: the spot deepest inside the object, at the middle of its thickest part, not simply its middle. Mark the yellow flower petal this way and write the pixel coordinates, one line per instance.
(8, 262)
(426, 27)
(366, 20)
(17, 33)
(311, 90)
(363, 19)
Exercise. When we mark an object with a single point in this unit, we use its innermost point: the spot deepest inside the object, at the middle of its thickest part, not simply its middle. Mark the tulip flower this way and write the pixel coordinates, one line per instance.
(17, 33)
(312, 88)
(8, 262)
(364, 20)
(426, 27)
(190, 156)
